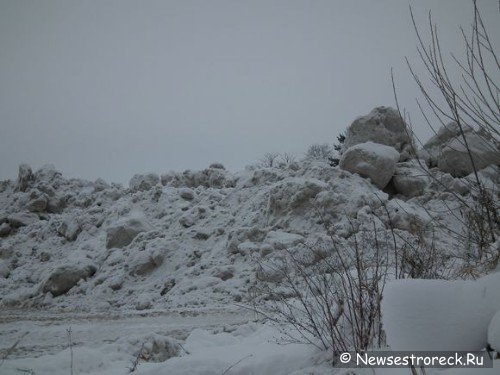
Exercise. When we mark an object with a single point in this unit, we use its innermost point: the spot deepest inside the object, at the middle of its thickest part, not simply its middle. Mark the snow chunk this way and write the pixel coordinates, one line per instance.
(446, 133)
(255, 352)
(21, 219)
(121, 233)
(214, 177)
(455, 158)
(372, 160)
(5, 229)
(432, 148)
(186, 193)
(294, 193)
(408, 216)
(25, 178)
(383, 125)
(65, 277)
(191, 217)
(4, 269)
(146, 261)
(494, 332)
(143, 182)
(411, 178)
(438, 315)
(283, 240)
(47, 173)
(69, 229)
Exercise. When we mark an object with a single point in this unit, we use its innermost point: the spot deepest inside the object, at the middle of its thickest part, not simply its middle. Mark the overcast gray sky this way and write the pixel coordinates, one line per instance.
(105, 88)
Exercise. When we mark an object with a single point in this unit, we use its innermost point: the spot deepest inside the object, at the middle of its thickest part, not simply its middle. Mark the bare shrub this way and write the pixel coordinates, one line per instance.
(276, 160)
(269, 160)
(421, 259)
(320, 152)
(326, 152)
(470, 101)
(135, 362)
(479, 255)
(479, 230)
(330, 295)
(11, 349)
(286, 158)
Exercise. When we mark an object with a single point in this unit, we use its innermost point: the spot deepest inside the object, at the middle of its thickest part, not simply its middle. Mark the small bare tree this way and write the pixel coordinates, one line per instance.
(286, 158)
(269, 160)
(469, 102)
(319, 152)
(275, 159)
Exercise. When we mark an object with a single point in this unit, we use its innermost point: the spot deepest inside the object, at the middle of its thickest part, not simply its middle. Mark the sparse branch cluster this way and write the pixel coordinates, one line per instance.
(276, 160)
(467, 107)
(331, 295)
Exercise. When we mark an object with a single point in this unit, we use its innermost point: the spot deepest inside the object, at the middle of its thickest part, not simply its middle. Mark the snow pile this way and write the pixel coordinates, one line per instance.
(448, 150)
(438, 315)
(144, 181)
(372, 160)
(494, 332)
(382, 125)
(249, 349)
(411, 178)
(193, 238)
(200, 240)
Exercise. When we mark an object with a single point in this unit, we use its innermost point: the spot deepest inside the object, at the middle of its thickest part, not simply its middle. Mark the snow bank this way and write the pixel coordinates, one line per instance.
(250, 349)
(257, 353)
(437, 315)
(494, 332)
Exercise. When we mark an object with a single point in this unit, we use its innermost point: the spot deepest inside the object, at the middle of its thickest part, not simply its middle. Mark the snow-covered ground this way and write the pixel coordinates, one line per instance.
(213, 343)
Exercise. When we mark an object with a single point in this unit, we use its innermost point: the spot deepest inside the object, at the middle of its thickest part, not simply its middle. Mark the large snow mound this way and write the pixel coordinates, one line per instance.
(196, 239)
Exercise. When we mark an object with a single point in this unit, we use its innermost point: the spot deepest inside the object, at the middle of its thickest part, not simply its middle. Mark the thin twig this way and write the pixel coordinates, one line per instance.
(13, 347)
(233, 365)
(70, 346)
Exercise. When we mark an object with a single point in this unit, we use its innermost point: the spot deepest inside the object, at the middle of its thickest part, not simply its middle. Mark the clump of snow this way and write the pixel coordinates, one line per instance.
(214, 176)
(382, 125)
(144, 181)
(455, 157)
(411, 178)
(25, 178)
(293, 194)
(4, 269)
(438, 315)
(446, 133)
(145, 261)
(5, 229)
(21, 219)
(187, 194)
(494, 332)
(253, 352)
(372, 160)
(408, 216)
(63, 278)
(450, 152)
(122, 232)
(282, 240)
